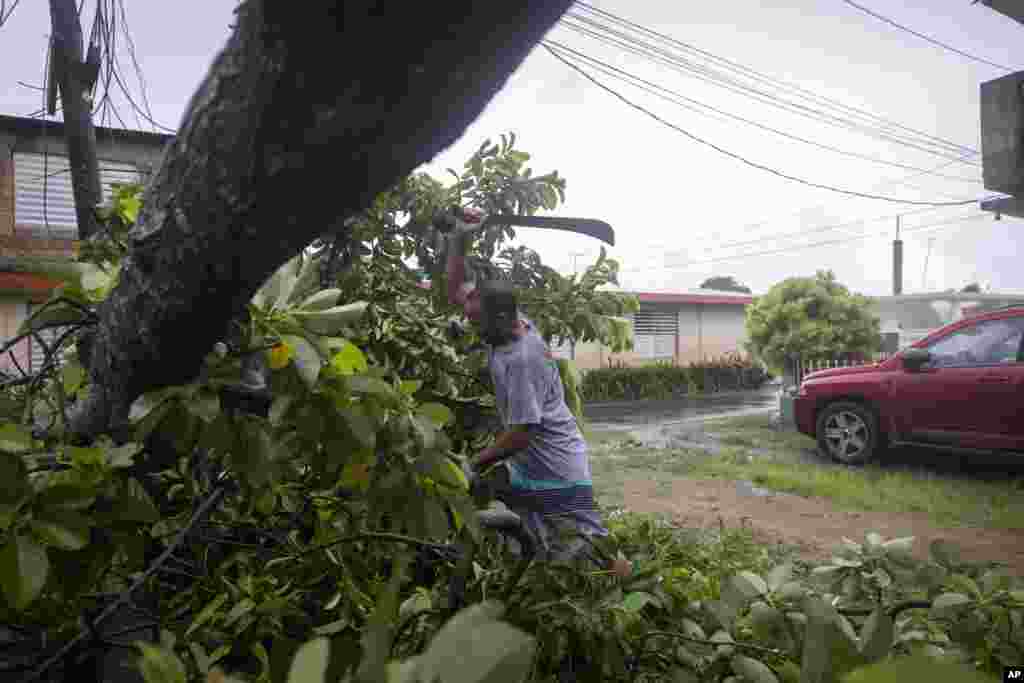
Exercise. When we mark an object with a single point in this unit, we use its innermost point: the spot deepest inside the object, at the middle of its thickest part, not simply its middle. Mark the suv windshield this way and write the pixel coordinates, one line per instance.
(983, 343)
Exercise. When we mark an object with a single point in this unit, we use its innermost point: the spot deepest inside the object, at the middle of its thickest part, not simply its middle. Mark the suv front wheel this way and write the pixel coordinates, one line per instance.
(848, 433)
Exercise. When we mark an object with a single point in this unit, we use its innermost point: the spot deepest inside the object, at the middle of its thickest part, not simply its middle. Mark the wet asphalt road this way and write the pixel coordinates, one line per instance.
(646, 414)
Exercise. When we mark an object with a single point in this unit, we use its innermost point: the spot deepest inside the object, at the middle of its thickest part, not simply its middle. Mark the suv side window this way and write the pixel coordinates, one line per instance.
(990, 342)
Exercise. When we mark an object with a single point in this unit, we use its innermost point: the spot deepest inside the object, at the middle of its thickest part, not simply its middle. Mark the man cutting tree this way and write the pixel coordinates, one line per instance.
(543, 471)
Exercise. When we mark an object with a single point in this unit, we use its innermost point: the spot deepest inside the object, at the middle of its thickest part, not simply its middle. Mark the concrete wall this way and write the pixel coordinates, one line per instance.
(706, 331)
(709, 331)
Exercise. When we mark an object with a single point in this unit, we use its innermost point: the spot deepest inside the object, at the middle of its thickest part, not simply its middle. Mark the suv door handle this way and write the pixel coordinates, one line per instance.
(995, 379)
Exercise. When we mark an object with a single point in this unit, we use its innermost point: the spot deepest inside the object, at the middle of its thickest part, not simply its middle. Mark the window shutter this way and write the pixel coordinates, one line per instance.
(655, 331)
(38, 177)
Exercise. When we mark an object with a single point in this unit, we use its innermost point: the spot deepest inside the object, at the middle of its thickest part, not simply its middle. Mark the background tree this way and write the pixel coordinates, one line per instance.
(725, 284)
(813, 317)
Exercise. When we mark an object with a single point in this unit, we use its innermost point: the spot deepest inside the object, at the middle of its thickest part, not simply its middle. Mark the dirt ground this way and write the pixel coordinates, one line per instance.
(812, 525)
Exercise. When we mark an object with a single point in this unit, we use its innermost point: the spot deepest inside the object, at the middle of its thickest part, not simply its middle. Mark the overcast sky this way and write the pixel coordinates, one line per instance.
(681, 210)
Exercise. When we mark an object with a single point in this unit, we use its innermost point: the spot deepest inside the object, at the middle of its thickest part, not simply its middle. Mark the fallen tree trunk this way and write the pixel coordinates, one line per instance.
(310, 110)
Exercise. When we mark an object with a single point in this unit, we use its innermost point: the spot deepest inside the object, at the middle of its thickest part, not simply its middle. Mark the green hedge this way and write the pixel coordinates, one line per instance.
(666, 380)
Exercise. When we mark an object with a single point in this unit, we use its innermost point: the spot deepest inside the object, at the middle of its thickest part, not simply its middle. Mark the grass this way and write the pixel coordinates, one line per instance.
(784, 461)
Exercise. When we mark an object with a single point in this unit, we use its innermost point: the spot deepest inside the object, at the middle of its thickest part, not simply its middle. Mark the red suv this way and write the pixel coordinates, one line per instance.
(961, 386)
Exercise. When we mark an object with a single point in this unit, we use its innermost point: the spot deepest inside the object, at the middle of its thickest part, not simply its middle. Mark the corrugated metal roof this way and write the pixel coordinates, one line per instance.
(38, 177)
(31, 127)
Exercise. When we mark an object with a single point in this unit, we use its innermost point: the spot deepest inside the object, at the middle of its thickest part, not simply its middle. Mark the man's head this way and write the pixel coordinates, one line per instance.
(499, 312)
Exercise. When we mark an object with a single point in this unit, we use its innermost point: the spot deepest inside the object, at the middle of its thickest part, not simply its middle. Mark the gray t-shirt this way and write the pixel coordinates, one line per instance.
(552, 475)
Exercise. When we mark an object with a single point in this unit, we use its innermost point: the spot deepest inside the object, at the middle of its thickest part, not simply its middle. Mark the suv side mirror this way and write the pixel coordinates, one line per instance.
(913, 358)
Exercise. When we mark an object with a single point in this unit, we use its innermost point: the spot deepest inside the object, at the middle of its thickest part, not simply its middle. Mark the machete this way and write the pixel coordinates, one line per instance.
(470, 221)
(583, 226)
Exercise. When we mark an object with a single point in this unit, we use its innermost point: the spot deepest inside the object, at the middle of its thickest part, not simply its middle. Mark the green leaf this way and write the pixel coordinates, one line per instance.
(681, 675)
(349, 359)
(238, 611)
(479, 647)
(817, 652)
(377, 636)
(360, 425)
(279, 408)
(723, 612)
(414, 604)
(24, 568)
(778, 576)
(15, 438)
(438, 413)
(408, 387)
(51, 314)
(752, 670)
(634, 602)
(750, 584)
(948, 604)
(62, 529)
(205, 405)
(916, 668)
(899, 545)
(123, 455)
(159, 665)
(278, 287)
(207, 613)
(322, 300)
(364, 384)
(877, 636)
(306, 358)
(72, 376)
(145, 404)
(332, 321)
(128, 208)
(945, 553)
(66, 497)
(769, 625)
(133, 504)
(725, 642)
(310, 663)
(962, 583)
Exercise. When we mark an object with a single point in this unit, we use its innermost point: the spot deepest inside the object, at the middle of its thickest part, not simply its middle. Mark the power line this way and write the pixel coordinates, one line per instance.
(808, 94)
(826, 228)
(820, 229)
(731, 84)
(783, 250)
(931, 40)
(620, 74)
(737, 156)
(5, 12)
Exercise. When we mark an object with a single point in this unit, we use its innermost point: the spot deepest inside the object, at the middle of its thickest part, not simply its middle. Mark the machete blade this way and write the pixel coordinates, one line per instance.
(583, 226)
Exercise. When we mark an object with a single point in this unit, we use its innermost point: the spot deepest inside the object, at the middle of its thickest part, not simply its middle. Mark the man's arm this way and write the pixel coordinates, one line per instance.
(508, 443)
(458, 244)
(524, 402)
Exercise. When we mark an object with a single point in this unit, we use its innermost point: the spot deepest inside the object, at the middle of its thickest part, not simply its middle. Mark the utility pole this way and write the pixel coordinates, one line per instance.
(75, 76)
(897, 262)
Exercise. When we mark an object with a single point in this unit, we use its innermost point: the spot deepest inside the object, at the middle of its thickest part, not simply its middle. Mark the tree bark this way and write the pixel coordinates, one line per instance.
(72, 72)
(310, 110)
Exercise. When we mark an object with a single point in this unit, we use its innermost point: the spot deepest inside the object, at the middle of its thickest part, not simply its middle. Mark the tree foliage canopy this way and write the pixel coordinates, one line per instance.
(724, 283)
(813, 317)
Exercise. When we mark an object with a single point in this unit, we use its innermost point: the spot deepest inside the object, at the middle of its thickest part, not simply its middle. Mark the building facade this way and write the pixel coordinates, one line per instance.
(675, 327)
(37, 209)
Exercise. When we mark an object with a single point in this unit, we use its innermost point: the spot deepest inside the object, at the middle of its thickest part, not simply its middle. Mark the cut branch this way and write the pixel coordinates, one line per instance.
(309, 112)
